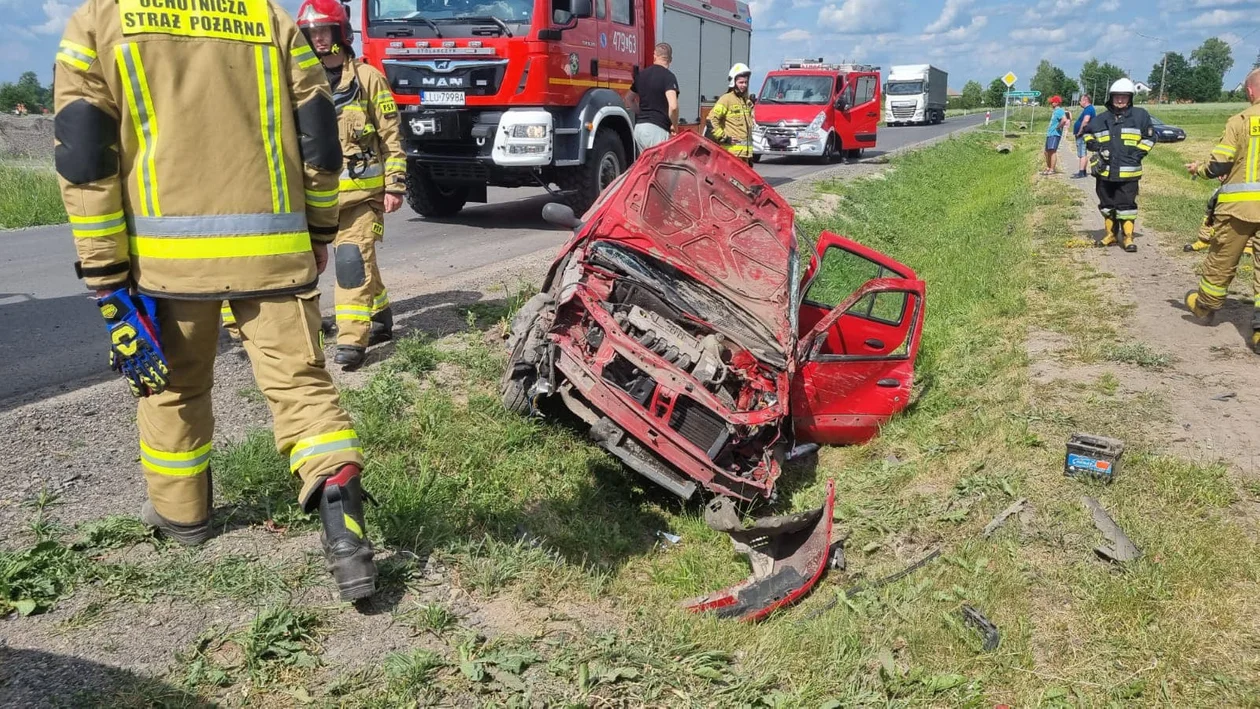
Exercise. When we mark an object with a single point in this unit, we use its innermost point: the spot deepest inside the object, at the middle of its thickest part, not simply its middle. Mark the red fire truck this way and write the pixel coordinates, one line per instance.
(516, 93)
(812, 108)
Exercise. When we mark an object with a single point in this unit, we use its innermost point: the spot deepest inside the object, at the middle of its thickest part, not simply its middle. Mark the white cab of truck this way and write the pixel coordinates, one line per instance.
(915, 94)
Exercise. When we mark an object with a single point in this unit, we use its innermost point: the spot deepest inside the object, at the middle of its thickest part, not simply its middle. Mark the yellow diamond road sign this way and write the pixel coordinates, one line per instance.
(1009, 79)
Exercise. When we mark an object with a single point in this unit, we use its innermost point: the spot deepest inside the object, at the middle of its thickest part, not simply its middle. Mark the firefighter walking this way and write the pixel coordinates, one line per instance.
(198, 162)
(731, 120)
(1120, 140)
(373, 181)
(1236, 158)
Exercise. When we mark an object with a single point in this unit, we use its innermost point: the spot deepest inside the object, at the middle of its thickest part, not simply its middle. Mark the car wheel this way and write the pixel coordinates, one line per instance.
(523, 343)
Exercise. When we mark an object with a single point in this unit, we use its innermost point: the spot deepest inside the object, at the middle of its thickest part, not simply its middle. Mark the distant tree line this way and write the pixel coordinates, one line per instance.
(27, 92)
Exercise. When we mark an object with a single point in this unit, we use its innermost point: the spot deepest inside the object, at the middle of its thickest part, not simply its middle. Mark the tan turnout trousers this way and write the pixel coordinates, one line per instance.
(360, 293)
(281, 334)
(1232, 235)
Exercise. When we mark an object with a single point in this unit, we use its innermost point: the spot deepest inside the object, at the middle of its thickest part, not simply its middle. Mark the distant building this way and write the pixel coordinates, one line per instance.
(951, 93)
(1141, 87)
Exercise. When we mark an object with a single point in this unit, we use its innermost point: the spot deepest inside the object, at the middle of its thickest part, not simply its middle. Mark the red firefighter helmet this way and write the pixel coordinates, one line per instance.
(326, 13)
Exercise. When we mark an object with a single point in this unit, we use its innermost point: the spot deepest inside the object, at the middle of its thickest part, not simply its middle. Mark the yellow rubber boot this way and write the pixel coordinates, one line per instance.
(1203, 314)
(1202, 240)
(1255, 341)
(1109, 239)
(1127, 239)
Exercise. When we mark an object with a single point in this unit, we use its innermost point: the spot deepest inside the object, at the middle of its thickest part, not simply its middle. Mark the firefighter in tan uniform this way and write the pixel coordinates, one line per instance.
(1236, 158)
(373, 181)
(731, 120)
(182, 198)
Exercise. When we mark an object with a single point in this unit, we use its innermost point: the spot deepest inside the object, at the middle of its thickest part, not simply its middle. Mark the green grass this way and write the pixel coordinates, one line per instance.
(528, 510)
(29, 196)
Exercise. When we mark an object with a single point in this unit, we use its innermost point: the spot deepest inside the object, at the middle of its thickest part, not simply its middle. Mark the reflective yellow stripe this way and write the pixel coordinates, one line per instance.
(1228, 151)
(266, 58)
(76, 55)
(140, 103)
(352, 525)
(1239, 197)
(354, 313)
(396, 164)
(73, 61)
(366, 183)
(220, 247)
(1253, 159)
(305, 57)
(1212, 290)
(90, 227)
(184, 464)
(322, 199)
(323, 444)
(87, 52)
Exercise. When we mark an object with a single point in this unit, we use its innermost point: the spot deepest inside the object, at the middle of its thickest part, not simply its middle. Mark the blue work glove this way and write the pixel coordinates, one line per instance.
(135, 349)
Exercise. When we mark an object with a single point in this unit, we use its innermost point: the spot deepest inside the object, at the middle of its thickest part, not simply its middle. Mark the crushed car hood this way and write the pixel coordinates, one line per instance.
(691, 204)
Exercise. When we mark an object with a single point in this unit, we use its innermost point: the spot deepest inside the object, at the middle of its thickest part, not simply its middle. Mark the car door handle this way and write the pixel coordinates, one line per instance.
(871, 115)
(875, 344)
(888, 383)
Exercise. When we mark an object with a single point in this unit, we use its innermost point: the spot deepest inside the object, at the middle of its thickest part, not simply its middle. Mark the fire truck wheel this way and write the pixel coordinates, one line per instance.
(429, 199)
(604, 163)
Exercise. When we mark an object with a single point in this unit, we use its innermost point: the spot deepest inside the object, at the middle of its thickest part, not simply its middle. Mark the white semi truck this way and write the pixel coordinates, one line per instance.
(915, 93)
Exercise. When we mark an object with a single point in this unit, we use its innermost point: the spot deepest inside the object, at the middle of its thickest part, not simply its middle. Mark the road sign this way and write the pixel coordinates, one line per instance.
(1024, 94)
(1009, 79)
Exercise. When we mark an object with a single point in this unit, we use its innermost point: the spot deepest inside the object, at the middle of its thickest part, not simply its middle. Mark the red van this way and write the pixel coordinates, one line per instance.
(815, 109)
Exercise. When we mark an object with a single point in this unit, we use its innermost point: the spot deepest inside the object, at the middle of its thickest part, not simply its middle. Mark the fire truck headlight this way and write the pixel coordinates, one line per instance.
(531, 131)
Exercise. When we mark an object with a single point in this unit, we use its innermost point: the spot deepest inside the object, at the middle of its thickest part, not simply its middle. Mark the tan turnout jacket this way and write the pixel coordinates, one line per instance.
(374, 159)
(1237, 156)
(196, 147)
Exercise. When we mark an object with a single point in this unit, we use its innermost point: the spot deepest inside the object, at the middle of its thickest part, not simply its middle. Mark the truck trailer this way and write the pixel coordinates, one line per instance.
(915, 94)
(533, 92)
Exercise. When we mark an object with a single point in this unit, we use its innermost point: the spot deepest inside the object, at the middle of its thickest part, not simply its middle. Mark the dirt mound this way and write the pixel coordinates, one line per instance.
(26, 137)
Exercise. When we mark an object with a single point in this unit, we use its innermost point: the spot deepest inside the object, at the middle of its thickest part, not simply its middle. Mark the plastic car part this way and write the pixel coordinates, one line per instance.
(788, 555)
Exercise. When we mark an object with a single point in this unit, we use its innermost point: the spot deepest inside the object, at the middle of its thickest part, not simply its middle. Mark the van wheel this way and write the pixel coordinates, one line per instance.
(605, 163)
(429, 199)
(831, 152)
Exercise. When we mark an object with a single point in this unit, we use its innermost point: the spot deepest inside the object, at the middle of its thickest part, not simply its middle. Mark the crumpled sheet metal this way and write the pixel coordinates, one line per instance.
(788, 555)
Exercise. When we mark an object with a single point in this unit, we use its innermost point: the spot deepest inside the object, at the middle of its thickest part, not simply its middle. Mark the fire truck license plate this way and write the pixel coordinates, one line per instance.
(442, 98)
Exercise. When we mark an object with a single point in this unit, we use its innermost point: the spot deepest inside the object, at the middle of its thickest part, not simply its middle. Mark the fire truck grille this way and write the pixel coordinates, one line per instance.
(458, 172)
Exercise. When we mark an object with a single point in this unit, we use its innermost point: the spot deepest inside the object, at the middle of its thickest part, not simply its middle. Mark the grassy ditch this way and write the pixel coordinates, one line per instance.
(29, 196)
(529, 511)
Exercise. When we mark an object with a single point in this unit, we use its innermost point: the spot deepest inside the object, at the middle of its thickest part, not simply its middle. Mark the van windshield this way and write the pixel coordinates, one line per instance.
(904, 88)
(809, 90)
(513, 11)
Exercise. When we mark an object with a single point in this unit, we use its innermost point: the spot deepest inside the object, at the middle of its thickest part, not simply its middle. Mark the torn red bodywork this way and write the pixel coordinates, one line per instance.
(678, 325)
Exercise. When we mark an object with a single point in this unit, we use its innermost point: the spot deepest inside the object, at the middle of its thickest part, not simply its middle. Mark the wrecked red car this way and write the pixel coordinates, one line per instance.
(682, 325)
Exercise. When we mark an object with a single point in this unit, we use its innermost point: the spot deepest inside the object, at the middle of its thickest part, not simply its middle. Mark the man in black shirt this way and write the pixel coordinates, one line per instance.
(656, 89)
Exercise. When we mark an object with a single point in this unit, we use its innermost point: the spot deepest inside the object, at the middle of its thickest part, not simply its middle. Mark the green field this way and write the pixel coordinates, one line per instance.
(529, 511)
(29, 196)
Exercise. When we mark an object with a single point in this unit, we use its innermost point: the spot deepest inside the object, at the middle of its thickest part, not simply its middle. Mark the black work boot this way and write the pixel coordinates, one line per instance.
(347, 550)
(349, 357)
(382, 327)
(329, 326)
(190, 535)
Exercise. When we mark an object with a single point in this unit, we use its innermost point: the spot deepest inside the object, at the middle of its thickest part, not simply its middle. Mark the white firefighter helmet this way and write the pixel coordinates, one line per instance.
(1122, 86)
(740, 69)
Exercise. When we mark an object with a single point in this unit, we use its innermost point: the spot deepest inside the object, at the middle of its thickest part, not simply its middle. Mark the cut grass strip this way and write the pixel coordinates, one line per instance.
(29, 196)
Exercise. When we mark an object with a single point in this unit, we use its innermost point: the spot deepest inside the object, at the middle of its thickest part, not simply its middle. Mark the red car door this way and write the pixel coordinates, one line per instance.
(861, 320)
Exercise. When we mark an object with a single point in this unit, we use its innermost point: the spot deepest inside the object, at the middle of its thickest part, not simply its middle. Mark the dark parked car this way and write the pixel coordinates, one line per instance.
(1165, 133)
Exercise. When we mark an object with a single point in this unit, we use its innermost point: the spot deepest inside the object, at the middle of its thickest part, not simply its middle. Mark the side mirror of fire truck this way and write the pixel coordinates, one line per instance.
(582, 8)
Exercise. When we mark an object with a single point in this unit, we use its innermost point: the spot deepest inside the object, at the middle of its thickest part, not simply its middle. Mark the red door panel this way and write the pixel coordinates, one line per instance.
(857, 358)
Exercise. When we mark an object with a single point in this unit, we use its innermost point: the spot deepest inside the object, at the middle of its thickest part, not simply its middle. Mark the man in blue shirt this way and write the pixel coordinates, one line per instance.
(1058, 122)
(1079, 130)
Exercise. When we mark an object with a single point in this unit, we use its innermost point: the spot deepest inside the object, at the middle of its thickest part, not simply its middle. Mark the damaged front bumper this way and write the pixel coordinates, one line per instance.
(788, 555)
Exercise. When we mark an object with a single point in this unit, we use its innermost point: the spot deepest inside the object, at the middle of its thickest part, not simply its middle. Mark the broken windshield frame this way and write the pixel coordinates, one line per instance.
(694, 299)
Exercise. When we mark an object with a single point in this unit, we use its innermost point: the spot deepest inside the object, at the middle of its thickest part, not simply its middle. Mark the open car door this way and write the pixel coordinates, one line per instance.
(860, 322)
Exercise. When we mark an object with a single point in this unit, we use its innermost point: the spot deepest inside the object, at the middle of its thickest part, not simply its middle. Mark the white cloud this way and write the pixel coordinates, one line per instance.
(798, 4)
(960, 33)
(1041, 35)
(58, 13)
(756, 8)
(860, 16)
(797, 35)
(1109, 6)
(1208, 4)
(1222, 18)
(949, 13)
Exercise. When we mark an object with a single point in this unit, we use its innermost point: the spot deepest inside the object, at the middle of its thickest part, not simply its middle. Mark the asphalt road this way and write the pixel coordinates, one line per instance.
(55, 340)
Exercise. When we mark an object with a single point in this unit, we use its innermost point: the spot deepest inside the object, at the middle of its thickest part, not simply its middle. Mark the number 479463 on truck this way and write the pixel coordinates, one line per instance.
(523, 93)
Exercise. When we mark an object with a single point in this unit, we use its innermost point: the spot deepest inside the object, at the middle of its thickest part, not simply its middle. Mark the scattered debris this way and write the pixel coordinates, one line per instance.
(859, 588)
(1122, 548)
(788, 555)
(1091, 456)
(802, 450)
(989, 634)
(666, 536)
(1226, 396)
(1004, 515)
(835, 558)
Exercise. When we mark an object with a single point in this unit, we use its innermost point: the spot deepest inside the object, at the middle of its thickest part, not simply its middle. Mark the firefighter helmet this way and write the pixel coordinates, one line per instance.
(1122, 86)
(327, 13)
(740, 69)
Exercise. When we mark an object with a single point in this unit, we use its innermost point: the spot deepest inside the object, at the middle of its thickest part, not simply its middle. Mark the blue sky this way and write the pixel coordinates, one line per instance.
(971, 39)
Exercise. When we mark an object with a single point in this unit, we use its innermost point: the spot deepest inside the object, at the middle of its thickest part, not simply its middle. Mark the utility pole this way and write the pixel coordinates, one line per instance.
(1163, 78)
